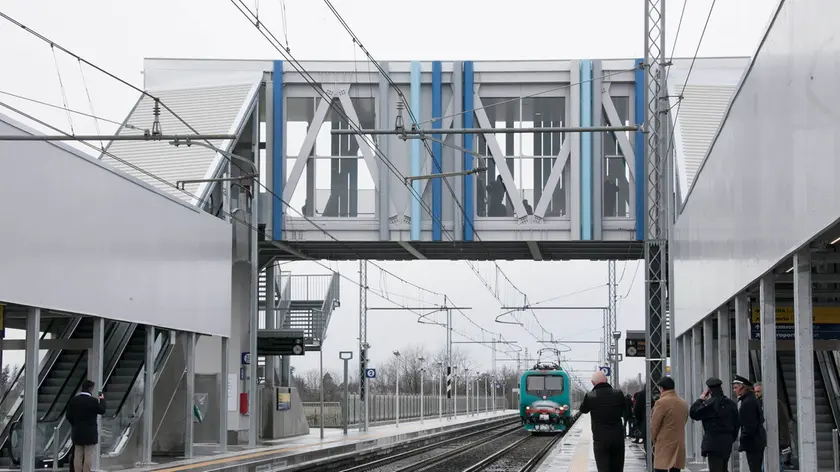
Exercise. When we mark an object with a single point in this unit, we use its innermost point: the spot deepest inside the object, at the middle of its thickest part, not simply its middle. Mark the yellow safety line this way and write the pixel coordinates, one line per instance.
(580, 461)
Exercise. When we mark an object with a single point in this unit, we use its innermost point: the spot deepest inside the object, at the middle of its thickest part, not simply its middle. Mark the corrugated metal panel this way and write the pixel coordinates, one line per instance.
(700, 113)
(210, 110)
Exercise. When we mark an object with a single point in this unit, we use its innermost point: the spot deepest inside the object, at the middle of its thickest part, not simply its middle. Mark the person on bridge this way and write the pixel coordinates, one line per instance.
(753, 437)
(784, 427)
(608, 408)
(719, 415)
(82, 413)
(667, 428)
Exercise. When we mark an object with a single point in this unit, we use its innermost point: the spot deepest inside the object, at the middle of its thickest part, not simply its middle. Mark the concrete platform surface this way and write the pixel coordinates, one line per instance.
(574, 452)
(290, 451)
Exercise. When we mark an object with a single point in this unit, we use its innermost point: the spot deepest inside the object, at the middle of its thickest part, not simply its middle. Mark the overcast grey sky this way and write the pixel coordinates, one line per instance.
(118, 35)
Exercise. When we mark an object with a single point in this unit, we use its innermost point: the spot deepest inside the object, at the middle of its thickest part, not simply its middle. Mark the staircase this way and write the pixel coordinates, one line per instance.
(302, 302)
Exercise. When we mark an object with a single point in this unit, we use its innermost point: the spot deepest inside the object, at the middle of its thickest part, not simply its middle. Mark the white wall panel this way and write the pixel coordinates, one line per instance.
(79, 236)
(769, 182)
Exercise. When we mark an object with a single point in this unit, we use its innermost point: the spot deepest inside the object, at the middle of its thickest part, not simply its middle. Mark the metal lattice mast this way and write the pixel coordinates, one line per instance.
(363, 345)
(611, 344)
(656, 109)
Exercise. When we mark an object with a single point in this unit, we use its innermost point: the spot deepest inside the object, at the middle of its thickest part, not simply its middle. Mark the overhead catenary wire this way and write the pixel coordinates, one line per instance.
(76, 112)
(133, 166)
(415, 120)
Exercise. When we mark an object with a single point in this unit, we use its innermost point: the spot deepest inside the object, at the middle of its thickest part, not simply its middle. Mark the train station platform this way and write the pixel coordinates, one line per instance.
(574, 452)
(291, 451)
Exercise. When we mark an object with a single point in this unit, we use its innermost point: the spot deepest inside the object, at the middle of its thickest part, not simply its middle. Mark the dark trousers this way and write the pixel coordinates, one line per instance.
(673, 469)
(755, 460)
(609, 455)
(718, 463)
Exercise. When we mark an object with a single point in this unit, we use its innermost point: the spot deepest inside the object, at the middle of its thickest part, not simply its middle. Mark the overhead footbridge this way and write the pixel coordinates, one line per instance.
(549, 195)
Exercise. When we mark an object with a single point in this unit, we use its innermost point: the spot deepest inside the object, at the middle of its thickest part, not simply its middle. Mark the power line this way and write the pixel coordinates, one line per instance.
(688, 74)
(70, 110)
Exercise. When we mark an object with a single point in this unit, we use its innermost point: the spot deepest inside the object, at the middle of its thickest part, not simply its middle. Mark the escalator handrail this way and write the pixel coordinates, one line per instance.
(19, 372)
(831, 382)
(134, 379)
(59, 417)
(44, 368)
(161, 359)
(112, 327)
(82, 355)
(162, 356)
(783, 387)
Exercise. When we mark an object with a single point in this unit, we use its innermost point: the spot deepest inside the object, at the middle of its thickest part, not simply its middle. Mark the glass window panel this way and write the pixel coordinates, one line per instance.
(535, 383)
(617, 182)
(555, 383)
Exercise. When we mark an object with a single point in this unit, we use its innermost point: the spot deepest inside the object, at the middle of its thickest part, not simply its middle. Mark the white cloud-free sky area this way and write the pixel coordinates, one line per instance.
(119, 35)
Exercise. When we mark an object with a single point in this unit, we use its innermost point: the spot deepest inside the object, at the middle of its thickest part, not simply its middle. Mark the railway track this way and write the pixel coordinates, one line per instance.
(525, 455)
(429, 457)
(391, 457)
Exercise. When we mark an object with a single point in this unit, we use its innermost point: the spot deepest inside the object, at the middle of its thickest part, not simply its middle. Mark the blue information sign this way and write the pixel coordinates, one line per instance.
(605, 369)
(370, 373)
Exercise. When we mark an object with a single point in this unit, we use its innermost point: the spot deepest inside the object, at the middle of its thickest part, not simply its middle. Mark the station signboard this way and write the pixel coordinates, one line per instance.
(635, 344)
(826, 322)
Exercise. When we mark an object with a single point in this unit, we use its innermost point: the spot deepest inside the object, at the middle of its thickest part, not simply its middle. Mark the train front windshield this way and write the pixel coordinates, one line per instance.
(549, 384)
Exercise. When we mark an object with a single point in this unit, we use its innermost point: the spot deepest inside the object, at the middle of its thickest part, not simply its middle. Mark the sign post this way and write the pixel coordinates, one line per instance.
(345, 356)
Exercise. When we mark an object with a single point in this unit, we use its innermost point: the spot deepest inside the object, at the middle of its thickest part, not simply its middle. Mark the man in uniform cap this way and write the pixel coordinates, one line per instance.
(719, 415)
(753, 437)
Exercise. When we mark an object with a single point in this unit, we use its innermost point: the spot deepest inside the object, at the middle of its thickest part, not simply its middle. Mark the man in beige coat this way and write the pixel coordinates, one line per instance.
(667, 428)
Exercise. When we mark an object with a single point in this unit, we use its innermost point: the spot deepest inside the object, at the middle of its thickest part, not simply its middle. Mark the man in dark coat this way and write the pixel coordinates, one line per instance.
(640, 415)
(753, 437)
(608, 408)
(784, 426)
(83, 411)
(719, 415)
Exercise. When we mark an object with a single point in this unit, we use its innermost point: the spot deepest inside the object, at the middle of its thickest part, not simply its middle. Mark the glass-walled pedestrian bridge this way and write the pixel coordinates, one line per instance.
(544, 195)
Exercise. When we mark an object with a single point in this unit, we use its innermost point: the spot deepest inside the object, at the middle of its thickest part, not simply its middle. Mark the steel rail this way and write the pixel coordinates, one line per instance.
(440, 458)
(414, 452)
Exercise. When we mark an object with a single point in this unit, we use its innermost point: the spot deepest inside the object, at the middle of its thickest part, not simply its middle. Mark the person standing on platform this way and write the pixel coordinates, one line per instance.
(608, 407)
(753, 437)
(719, 415)
(640, 415)
(784, 426)
(83, 411)
(667, 428)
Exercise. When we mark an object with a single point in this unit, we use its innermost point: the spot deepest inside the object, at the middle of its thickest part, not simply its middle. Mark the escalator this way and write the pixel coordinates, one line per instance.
(825, 411)
(124, 362)
(825, 417)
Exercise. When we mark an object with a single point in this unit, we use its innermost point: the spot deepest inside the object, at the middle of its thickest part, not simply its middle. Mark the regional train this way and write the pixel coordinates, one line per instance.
(546, 396)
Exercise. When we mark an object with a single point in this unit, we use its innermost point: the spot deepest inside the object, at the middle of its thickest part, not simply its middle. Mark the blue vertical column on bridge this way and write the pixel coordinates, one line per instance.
(469, 122)
(437, 150)
(416, 164)
(639, 148)
(586, 150)
(277, 152)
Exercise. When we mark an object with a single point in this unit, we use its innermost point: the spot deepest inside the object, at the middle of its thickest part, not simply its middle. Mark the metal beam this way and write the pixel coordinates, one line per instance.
(30, 391)
(411, 250)
(535, 250)
(548, 129)
(803, 326)
(118, 137)
(769, 372)
(48, 344)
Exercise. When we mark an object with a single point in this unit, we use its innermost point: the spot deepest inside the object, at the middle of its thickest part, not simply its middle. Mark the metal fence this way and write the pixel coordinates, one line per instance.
(383, 408)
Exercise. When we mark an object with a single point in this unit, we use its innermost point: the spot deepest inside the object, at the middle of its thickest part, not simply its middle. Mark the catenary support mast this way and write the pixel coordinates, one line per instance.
(656, 237)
